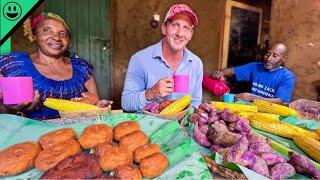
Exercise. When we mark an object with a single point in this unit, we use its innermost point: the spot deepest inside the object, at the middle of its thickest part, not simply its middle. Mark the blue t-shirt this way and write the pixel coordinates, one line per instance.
(268, 84)
(19, 64)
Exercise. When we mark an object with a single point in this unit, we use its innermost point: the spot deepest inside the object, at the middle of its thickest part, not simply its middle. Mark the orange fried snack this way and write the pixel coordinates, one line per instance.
(56, 136)
(134, 140)
(112, 157)
(51, 156)
(125, 128)
(94, 135)
(128, 172)
(145, 151)
(18, 158)
(154, 165)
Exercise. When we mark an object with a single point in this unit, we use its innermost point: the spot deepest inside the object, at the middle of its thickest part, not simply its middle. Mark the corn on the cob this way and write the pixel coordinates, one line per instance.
(263, 117)
(268, 107)
(318, 131)
(66, 105)
(309, 146)
(268, 116)
(281, 129)
(235, 108)
(177, 106)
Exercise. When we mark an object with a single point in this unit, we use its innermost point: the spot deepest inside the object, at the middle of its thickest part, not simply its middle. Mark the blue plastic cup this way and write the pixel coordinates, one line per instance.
(229, 98)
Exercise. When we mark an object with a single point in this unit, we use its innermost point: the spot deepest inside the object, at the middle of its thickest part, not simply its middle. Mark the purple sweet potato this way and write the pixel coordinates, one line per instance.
(202, 120)
(242, 126)
(204, 128)
(282, 171)
(219, 149)
(260, 166)
(227, 116)
(232, 127)
(254, 138)
(247, 159)
(152, 107)
(207, 107)
(272, 158)
(200, 138)
(219, 134)
(237, 150)
(303, 165)
(194, 117)
(260, 147)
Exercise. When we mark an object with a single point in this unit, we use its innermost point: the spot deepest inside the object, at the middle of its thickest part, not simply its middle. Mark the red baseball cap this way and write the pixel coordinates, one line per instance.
(182, 9)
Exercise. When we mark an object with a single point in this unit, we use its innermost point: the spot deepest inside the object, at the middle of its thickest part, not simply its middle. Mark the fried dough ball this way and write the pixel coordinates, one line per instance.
(94, 135)
(154, 165)
(112, 157)
(145, 151)
(51, 156)
(18, 158)
(125, 128)
(134, 140)
(128, 172)
(56, 136)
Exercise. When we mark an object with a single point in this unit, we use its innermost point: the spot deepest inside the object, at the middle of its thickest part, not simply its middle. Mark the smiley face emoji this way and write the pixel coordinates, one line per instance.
(12, 11)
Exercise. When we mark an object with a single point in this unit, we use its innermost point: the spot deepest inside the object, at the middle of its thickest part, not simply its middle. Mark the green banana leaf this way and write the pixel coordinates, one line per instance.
(306, 123)
(184, 161)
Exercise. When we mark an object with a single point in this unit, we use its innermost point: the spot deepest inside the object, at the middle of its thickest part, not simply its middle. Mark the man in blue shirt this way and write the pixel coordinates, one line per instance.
(150, 71)
(270, 80)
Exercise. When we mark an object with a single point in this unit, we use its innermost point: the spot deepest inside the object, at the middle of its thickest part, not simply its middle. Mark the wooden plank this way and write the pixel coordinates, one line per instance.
(71, 19)
(83, 29)
(105, 55)
(95, 41)
(57, 7)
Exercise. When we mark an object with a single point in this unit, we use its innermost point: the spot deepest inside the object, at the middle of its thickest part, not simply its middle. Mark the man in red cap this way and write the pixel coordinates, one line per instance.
(150, 73)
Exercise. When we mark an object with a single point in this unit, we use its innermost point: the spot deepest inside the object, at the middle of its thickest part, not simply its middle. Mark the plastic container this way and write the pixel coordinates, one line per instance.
(181, 83)
(229, 98)
(16, 90)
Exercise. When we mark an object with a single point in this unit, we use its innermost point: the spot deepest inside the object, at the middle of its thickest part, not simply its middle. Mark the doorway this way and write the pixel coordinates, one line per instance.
(89, 23)
(242, 36)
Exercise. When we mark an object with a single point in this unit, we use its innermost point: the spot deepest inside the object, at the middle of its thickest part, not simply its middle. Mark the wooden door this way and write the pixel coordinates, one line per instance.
(89, 23)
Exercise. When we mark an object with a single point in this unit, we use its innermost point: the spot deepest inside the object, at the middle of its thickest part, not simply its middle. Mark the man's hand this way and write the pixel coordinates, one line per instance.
(163, 87)
(245, 97)
(218, 75)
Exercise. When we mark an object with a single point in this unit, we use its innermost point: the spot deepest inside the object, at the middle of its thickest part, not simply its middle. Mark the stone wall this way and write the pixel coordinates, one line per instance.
(296, 23)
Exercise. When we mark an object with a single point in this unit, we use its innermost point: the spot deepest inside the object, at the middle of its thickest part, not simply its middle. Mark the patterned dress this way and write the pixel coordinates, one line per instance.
(20, 64)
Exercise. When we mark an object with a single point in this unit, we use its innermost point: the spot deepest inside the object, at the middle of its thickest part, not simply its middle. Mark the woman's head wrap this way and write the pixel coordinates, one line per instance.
(44, 15)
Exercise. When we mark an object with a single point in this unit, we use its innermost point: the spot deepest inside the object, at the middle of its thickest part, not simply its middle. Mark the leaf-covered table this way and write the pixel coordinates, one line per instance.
(184, 161)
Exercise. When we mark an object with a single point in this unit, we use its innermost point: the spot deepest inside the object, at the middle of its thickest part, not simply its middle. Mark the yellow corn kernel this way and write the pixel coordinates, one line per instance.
(268, 107)
(269, 116)
(318, 131)
(176, 106)
(281, 129)
(309, 146)
(264, 116)
(66, 105)
(234, 108)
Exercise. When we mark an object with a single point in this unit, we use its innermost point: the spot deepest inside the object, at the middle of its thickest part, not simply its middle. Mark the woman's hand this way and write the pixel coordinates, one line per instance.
(87, 98)
(25, 106)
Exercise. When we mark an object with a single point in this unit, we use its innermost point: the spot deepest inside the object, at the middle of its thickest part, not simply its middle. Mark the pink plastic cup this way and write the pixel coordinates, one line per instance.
(181, 83)
(16, 90)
